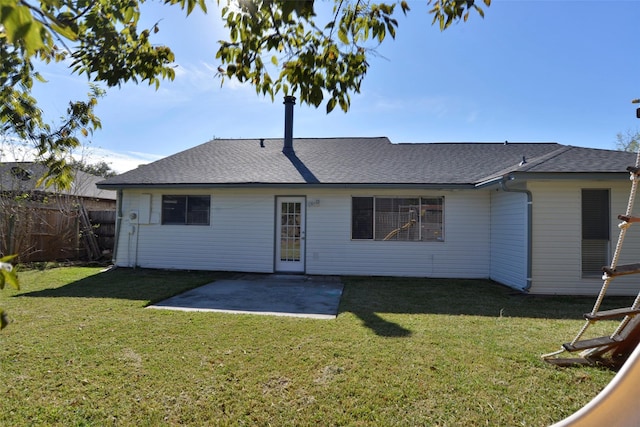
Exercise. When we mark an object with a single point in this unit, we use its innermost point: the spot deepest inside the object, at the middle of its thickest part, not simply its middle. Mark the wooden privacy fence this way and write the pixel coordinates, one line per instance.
(40, 233)
(104, 228)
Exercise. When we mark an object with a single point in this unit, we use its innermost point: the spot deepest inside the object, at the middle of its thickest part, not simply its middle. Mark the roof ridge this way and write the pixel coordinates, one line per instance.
(537, 161)
(526, 164)
(296, 137)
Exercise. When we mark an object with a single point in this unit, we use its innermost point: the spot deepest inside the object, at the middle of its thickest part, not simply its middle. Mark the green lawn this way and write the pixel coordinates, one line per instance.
(82, 350)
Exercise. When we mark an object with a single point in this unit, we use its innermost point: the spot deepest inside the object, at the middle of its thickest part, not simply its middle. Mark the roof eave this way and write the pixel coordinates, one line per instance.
(592, 176)
(546, 176)
(439, 186)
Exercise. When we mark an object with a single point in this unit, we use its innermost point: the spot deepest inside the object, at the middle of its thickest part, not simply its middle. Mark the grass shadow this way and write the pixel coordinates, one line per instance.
(365, 296)
(381, 326)
(132, 284)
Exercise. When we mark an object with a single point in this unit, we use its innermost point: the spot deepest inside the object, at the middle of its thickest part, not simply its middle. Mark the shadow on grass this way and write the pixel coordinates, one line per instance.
(132, 284)
(368, 297)
(381, 326)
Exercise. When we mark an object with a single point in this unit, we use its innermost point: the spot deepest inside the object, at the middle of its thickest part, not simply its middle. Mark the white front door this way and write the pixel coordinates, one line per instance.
(290, 234)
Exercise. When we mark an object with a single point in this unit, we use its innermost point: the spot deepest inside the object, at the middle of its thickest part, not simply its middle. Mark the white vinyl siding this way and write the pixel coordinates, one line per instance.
(463, 254)
(242, 232)
(481, 241)
(557, 238)
(239, 237)
(509, 239)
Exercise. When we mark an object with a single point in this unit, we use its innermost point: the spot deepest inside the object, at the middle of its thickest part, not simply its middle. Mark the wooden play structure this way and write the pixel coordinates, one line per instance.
(614, 349)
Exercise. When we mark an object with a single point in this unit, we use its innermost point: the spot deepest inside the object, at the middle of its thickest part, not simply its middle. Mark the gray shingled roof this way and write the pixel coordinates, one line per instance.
(367, 161)
(23, 177)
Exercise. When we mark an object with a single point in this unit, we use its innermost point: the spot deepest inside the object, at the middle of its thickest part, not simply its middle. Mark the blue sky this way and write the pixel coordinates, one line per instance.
(530, 71)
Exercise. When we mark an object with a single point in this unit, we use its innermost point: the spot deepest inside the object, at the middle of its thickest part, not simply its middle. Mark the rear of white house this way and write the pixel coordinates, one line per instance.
(246, 231)
(539, 218)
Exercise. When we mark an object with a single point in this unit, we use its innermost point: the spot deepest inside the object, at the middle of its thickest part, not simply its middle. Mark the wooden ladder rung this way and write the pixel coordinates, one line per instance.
(592, 343)
(628, 219)
(568, 361)
(622, 270)
(612, 314)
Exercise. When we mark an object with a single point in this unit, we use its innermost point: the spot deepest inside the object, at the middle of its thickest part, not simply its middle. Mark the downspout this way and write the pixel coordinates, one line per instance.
(503, 185)
(116, 238)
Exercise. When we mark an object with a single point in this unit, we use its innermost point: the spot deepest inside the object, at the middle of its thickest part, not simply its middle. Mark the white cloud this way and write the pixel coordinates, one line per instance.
(14, 150)
(197, 77)
(121, 162)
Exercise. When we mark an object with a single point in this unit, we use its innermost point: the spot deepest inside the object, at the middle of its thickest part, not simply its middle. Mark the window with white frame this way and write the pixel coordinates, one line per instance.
(408, 219)
(186, 210)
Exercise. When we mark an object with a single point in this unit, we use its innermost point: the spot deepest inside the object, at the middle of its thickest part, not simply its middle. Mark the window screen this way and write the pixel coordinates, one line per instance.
(595, 231)
(397, 218)
(362, 218)
(186, 210)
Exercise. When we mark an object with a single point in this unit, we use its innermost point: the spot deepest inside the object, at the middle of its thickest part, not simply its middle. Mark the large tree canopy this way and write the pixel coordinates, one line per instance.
(278, 45)
(274, 45)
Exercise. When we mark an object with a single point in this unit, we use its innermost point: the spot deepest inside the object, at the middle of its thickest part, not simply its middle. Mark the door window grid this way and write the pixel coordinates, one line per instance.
(290, 231)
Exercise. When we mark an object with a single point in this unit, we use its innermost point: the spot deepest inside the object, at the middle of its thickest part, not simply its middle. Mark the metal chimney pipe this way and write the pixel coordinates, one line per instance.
(289, 102)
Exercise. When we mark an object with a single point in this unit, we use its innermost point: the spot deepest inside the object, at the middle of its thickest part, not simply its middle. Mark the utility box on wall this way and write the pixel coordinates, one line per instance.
(144, 209)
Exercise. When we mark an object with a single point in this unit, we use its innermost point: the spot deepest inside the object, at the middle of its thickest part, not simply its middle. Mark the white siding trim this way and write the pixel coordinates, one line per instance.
(509, 239)
(557, 238)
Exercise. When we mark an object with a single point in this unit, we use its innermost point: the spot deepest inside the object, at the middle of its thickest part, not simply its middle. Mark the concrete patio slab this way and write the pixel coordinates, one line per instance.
(315, 297)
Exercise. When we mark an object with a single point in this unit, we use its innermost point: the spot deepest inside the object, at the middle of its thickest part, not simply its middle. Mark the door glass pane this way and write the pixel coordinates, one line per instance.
(290, 231)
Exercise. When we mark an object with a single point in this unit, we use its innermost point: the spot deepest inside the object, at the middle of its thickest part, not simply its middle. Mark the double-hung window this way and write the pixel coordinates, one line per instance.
(186, 210)
(397, 218)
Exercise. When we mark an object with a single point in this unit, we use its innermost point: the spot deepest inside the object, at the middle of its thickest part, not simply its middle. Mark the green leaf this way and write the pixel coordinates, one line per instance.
(8, 258)
(39, 77)
(342, 35)
(128, 14)
(11, 278)
(20, 26)
(65, 31)
(315, 97)
(331, 104)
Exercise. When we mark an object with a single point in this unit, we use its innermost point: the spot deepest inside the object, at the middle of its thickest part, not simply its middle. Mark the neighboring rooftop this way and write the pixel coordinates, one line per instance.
(332, 161)
(23, 177)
